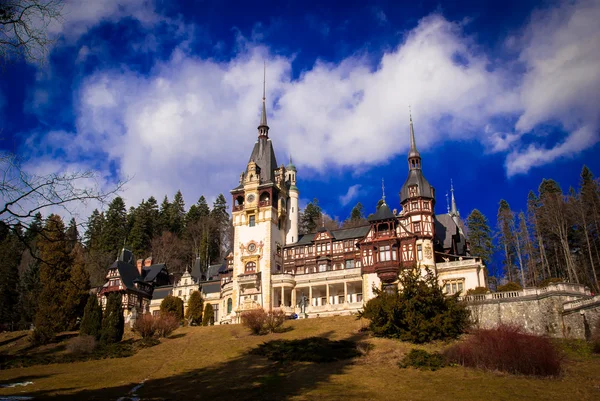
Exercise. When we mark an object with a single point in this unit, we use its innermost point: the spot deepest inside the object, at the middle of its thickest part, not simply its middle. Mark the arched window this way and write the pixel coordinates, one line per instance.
(229, 305)
(250, 267)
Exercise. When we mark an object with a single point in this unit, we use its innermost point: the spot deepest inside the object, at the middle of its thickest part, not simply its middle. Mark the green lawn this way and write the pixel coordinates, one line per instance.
(216, 363)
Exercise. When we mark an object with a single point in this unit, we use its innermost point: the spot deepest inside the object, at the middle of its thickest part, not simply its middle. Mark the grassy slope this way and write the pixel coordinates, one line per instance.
(213, 363)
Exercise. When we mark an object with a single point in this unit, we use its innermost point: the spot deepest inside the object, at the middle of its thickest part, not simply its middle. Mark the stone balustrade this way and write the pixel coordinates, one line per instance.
(562, 288)
(329, 275)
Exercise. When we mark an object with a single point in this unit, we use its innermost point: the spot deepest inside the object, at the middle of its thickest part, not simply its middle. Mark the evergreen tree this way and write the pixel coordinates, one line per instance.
(11, 250)
(194, 308)
(506, 238)
(357, 212)
(34, 229)
(91, 323)
(29, 294)
(480, 236)
(72, 234)
(203, 209)
(113, 322)
(311, 217)
(177, 214)
(141, 233)
(153, 213)
(208, 317)
(218, 229)
(114, 231)
(172, 305)
(76, 289)
(93, 234)
(52, 314)
(164, 217)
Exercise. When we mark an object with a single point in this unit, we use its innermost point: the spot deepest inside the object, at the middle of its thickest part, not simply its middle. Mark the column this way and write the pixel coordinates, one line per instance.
(282, 296)
(327, 294)
(345, 292)
(310, 301)
(293, 295)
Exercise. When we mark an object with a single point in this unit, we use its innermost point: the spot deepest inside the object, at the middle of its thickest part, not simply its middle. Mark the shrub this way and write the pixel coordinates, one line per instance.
(172, 305)
(420, 313)
(421, 359)
(91, 323)
(261, 322)
(42, 335)
(193, 314)
(166, 324)
(145, 326)
(82, 344)
(550, 280)
(311, 349)
(275, 320)
(255, 320)
(208, 318)
(508, 349)
(113, 323)
(510, 286)
(478, 291)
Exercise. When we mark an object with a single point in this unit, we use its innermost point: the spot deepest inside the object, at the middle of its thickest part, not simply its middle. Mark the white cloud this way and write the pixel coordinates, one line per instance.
(190, 124)
(350, 195)
(561, 51)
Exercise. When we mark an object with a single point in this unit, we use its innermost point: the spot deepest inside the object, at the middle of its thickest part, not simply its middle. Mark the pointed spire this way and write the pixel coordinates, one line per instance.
(413, 153)
(263, 128)
(454, 210)
(447, 203)
(383, 190)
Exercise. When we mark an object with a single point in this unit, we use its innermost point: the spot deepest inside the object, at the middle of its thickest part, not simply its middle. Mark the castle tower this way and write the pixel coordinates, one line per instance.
(417, 198)
(291, 234)
(259, 219)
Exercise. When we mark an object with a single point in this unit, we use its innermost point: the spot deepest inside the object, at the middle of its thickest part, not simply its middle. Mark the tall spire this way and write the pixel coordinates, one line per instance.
(454, 210)
(263, 128)
(414, 157)
(383, 190)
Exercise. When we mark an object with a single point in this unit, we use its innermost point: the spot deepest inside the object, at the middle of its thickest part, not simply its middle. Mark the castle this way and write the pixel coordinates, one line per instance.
(273, 265)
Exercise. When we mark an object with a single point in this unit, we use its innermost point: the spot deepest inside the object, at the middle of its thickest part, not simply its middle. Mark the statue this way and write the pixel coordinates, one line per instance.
(303, 304)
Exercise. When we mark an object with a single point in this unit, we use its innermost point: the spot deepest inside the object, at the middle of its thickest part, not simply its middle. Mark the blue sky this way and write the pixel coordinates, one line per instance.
(168, 94)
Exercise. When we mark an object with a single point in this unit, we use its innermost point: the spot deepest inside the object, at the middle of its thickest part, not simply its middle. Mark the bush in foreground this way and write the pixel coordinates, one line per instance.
(148, 326)
(507, 349)
(166, 324)
(261, 322)
(91, 323)
(113, 323)
(193, 314)
(419, 313)
(83, 344)
(421, 359)
(145, 326)
(478, 291)
(172, 305)
(208, 318)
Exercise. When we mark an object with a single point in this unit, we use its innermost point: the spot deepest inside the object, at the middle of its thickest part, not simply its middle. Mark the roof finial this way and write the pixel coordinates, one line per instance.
(383, 190)
(454, 209)
(413, 153)
(263, 128)
(290, 158)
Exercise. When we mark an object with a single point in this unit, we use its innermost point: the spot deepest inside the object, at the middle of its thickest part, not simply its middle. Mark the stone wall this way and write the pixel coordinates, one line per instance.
(559, 310)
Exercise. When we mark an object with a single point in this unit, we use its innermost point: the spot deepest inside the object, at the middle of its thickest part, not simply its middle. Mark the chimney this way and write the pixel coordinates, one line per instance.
(139, 264)
(148, 262)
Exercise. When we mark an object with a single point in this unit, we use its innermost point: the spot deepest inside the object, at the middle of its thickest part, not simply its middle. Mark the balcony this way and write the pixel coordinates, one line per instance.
(251, 279)
(284, 278)
(328, 275)
(264, 203)
(237, 208)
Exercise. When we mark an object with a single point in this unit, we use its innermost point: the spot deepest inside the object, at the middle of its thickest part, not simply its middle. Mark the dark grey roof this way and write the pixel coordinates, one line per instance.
(161, 292)
(264, 157)
(447, 231)
(196, 271)
(347, 233)
(213, 272)
(128, 273)
(211, 287)
(344, 233)
(383, 213)
(126, 256)
(424, 189)
(152, 271)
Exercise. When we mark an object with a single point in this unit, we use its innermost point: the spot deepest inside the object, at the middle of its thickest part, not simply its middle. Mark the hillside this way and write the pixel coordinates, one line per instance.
(215, 363)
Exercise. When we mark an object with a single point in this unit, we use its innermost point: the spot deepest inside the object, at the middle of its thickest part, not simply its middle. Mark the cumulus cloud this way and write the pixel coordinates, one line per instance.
(350, 195)
(190, 123)
(561, 52)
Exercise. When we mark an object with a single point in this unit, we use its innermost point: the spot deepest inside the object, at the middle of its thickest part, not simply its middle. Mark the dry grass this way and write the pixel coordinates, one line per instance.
(215, 363)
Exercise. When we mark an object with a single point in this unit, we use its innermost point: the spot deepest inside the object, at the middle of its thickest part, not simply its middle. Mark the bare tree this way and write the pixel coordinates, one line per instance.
(168, 249)
(24, 194)
(24, 28)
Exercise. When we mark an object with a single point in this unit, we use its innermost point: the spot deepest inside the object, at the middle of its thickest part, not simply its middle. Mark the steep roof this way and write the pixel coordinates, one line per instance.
(341, 234)
(264, 157)
(211, 287)
(128, 273)
(424, 189)
(382, 213)
(162, 292)
(447, 231)
(149, 273)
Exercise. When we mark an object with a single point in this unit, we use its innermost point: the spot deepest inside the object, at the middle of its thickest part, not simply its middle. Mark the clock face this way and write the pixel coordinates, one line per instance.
(250, 198)
(252, 247)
